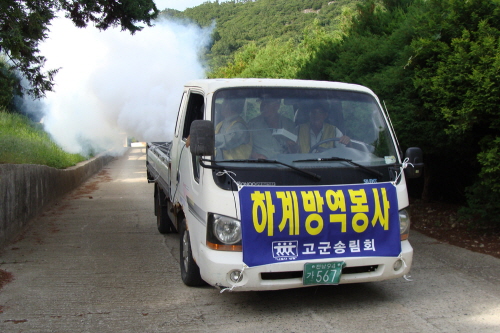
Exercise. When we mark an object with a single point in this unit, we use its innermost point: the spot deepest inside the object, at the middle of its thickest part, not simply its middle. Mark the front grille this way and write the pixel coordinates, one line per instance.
(281, 275)
(359, 269)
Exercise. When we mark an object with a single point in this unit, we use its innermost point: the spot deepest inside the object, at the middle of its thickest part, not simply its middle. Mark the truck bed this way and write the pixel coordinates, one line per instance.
(158, 164)
(164, 147)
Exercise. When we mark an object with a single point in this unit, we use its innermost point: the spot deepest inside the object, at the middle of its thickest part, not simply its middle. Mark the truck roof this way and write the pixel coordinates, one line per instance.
(211, 85)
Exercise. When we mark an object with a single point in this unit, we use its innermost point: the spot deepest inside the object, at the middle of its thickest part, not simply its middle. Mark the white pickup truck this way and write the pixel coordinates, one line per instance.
(276, 184)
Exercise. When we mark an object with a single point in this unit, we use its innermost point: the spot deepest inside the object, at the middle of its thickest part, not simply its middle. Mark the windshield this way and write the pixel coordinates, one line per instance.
(297, 124)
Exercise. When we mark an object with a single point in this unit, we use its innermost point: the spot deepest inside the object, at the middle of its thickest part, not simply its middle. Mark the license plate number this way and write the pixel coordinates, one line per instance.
(322, 273)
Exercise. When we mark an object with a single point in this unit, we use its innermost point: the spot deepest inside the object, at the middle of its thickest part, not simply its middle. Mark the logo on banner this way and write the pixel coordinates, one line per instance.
(287, 250)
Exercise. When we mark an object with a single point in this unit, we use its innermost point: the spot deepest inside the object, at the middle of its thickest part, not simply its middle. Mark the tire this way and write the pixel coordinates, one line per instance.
(163, 221)
(190, 272)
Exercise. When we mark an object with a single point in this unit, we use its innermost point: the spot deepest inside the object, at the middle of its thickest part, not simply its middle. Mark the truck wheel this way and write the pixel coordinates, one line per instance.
(190, 272)
(163, 221)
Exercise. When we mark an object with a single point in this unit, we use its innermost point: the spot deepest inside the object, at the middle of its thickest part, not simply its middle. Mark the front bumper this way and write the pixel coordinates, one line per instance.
(216, 266)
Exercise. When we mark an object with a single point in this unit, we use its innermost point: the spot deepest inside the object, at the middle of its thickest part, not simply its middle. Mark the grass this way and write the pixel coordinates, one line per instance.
(25, 142)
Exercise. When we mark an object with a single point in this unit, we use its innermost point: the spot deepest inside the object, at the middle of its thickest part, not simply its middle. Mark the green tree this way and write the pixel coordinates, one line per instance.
(457, 62)
(9, 84)
(24, 24)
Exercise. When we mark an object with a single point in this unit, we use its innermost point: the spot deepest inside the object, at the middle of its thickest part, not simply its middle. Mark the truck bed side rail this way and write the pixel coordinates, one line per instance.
(158, 164)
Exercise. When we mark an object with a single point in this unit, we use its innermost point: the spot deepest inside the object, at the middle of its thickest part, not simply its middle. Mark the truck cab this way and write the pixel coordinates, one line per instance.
(276, 184)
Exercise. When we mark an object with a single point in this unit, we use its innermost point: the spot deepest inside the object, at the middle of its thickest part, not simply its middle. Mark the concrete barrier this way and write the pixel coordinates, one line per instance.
(26, 190)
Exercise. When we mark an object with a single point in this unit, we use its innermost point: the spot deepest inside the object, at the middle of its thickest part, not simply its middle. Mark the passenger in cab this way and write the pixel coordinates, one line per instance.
(317, 130)
(232, 140)
(265, 144)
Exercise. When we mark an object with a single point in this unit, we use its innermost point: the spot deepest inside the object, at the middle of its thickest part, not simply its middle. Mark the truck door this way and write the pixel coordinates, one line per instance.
(194, 111)
(189, 176)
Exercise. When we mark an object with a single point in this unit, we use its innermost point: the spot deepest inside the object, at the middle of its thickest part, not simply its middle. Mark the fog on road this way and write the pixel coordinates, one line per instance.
(94, 262)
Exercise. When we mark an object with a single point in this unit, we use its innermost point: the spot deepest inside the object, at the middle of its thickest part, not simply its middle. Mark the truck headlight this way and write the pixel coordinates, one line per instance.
(223, 233)
(404, 224)
(227, 230)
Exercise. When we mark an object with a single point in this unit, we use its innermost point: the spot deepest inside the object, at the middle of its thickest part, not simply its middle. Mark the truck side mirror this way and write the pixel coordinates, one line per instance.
(202, 138)
(414, 155)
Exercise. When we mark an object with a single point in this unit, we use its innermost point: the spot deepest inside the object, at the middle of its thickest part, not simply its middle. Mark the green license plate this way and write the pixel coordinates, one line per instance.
(322, 273)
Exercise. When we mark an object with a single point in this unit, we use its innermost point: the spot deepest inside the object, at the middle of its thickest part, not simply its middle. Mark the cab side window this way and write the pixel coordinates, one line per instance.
(194, 111)
(179, 114)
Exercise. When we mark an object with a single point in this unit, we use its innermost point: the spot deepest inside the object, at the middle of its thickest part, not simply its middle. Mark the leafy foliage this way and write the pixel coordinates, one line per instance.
(277, 59)
(9, 84)
(457, 67)
(24, 24)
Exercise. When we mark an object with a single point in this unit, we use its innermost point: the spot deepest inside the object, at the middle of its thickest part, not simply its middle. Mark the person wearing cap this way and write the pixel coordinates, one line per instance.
(265, 144)
(317, 130)
(232, 140)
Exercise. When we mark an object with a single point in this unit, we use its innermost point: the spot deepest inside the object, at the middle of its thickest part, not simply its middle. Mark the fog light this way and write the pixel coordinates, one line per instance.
(398, 264)
(236, 276)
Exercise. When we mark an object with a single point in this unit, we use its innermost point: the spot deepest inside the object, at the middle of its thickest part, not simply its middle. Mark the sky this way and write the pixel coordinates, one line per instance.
(112, 85)
(178, 4)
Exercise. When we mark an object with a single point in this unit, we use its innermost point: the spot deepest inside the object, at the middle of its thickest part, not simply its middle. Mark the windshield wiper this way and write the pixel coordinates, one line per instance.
(340, 159)
(261, 160)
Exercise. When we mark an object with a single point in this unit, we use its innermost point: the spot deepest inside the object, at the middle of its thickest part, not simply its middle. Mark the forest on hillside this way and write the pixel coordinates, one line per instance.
(435, 64)
(238, 23)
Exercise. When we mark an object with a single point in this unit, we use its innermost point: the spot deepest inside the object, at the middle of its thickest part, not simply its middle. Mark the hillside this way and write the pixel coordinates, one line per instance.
(238, 23)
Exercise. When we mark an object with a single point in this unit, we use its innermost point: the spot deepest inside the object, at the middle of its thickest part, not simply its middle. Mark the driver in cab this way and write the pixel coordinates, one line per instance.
(232, 140)
(317, 130)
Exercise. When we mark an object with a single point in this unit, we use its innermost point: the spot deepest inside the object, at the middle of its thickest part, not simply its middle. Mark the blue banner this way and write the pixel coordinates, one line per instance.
(284, 223)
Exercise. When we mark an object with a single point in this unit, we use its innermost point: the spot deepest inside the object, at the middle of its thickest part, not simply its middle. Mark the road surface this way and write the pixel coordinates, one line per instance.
(96, 263)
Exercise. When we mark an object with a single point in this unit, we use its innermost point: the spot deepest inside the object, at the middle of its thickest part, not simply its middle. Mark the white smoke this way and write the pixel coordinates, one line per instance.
(113, 84)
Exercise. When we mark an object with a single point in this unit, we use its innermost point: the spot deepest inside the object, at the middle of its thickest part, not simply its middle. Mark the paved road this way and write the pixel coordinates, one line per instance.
(95, 263)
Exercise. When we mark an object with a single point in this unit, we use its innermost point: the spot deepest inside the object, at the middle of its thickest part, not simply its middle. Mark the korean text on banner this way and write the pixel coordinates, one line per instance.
(282, 223)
